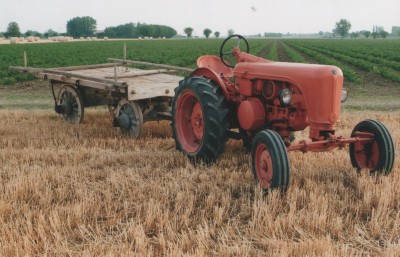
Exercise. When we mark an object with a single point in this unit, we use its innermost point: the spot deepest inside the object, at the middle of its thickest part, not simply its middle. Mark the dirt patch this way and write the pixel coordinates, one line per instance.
(264, 52)
(282, 55)
(34, 86)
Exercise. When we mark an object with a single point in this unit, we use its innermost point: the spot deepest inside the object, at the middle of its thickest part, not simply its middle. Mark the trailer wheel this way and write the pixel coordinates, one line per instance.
(270, 161)
(70, 104)
(199, 119)
(129, 118)
(376, 156)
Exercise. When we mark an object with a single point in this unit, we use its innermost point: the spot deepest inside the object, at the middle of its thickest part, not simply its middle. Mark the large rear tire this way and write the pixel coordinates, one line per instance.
(376, 156)
(270, 161)
(199, 119)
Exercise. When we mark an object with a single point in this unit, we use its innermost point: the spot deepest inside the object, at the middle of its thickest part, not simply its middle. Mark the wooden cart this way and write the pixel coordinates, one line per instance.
(133, 96)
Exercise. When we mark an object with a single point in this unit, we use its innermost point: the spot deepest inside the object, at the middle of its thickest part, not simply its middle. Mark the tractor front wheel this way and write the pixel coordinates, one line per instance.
(376, 156)
(270, 160)
(199, 119)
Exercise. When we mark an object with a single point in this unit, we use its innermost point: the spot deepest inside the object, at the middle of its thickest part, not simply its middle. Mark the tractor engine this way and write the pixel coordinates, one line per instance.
(279, 96)
(269, 104)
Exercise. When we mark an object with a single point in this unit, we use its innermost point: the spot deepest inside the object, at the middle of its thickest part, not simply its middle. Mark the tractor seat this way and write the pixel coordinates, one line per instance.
(215, 64)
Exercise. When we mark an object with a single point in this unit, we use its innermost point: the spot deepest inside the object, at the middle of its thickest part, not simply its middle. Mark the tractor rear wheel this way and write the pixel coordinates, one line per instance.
(270, 160)
(199, 119)
(376, 156)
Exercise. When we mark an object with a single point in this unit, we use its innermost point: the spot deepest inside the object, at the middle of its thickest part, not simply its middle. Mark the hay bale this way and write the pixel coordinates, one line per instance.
(31, 39)
(14, 40)
(105, 38)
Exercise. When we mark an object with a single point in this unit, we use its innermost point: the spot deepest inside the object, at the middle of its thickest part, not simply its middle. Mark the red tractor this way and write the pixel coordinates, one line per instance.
(242, 96)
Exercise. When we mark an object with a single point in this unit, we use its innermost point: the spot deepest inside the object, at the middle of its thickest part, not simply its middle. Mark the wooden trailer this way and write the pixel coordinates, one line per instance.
(133, 95)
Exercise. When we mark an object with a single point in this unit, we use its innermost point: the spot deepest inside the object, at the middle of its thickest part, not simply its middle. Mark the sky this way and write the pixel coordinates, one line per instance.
(247, 17)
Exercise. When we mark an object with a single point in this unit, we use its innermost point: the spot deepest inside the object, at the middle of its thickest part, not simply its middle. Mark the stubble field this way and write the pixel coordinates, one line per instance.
(87, 190)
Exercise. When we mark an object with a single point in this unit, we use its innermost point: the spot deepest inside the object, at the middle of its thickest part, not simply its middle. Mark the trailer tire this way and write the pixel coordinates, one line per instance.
(71, 98)
(199, 119)
(129, 118)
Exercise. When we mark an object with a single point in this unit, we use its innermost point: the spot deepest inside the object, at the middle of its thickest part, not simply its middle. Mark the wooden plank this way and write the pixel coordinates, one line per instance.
(151, 64)
(68, 68)
(82, 82)
(84, 67)
(89, 78)
(150, 90)
(137, 73)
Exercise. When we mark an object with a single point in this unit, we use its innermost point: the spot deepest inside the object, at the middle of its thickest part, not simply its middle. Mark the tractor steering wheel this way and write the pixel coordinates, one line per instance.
(225, 52)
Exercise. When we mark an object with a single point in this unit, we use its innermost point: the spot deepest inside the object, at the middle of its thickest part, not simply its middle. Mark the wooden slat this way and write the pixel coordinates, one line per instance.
(150, 90)
(84, 67)
(138, 73)
(82, 82)
(67, 68)
(80, 76)
(151, 64)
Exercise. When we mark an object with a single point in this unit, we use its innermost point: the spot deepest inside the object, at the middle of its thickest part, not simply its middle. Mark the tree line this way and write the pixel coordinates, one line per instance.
(131, 30)
(343, 27)
(86, 27)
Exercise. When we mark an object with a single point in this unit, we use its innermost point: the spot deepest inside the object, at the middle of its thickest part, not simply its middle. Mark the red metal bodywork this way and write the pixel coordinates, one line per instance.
(255, 83)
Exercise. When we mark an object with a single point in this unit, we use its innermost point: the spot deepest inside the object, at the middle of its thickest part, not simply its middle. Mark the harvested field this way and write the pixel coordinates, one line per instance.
(88, 190)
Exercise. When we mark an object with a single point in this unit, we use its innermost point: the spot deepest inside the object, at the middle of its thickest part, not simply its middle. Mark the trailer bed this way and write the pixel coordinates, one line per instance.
(133, 95)
(136, 83)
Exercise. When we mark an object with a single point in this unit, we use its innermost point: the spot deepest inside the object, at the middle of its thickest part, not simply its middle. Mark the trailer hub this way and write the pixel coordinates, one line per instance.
(64, 108)
(123, 121)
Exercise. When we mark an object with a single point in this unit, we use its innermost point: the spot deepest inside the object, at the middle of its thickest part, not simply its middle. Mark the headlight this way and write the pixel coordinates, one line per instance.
(344, 95)
(285, 96)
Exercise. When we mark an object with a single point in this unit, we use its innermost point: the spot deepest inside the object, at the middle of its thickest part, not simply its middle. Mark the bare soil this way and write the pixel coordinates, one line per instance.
(282, 55)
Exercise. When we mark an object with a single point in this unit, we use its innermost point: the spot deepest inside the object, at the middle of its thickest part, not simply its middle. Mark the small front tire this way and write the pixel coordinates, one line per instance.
(270, 161)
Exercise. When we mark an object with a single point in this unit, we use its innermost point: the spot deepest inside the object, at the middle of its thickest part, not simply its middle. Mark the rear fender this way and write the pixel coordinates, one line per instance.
(205, 72)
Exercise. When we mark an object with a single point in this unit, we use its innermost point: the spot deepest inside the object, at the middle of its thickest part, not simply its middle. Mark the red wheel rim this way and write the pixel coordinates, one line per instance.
(264, 168)
(189, 122)
(366, 154)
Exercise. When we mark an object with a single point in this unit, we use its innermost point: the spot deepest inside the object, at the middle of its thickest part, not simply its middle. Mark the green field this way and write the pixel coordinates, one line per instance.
(379, 57)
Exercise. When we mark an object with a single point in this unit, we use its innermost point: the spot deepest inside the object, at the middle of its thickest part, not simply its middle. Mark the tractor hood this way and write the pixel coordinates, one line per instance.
(320, 85)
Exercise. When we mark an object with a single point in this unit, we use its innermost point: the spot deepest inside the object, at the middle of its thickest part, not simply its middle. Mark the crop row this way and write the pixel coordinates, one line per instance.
(380, 57)
(293, 54)
(380, 49)
(348, 72)
(360, 61)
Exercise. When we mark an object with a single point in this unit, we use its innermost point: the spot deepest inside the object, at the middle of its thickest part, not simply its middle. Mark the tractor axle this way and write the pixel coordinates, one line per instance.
(331, 143)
